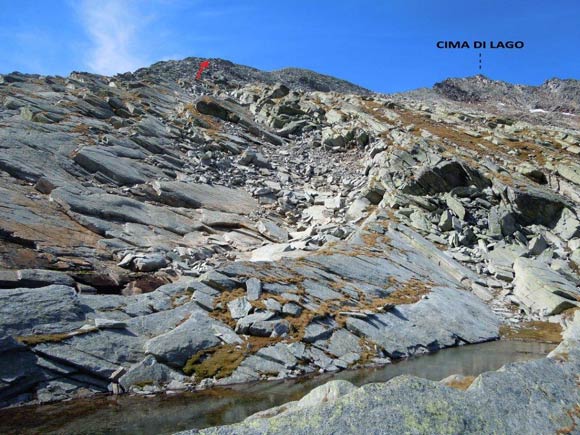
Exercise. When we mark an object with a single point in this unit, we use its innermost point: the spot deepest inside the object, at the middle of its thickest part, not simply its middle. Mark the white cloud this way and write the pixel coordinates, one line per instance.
(114, 28)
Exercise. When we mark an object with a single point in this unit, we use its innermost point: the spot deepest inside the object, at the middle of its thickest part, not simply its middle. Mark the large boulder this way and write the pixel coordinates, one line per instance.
(501, 222)
(568, 226)
(440, 320)
(97, 203)
(197, 333)
(444, 177)
(121, 170)
(45, 310)
(191, 195)
(263, 324)
(570, 171)
(239, 307)
(272, 231)
(542, 290)
(149, 372)
(326, 393)
(32, 278)
(224, 110)
(537, 206)
(97, 353)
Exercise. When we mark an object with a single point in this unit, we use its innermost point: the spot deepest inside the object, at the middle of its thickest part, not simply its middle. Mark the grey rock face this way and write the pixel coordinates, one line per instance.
(119, 169)
(239, 308)
(319, 329)
(358, 208)
(197, 333)
(254, 158)
(254, 289)
(541, 289)
(292, 309)
(150, 263)
(272, 231)
(446, 221)
(85, 352)
(122, 184)
(219, 281)
(444, 177)
(109, 324)
(456, 206)
(491, 405)
(342, 343)
(502, 222)
(428, 333)
(327, 393)
(570, 171)
(538, 206)
(52, 309)
(568, 226)
(149, 372)
(32, 278)
(97, 203)
(575, 257)
(537, 245)
(263, 324)
(217, 198)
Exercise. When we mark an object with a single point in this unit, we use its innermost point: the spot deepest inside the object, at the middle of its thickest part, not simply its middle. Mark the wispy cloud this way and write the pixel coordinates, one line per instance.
(114, 28)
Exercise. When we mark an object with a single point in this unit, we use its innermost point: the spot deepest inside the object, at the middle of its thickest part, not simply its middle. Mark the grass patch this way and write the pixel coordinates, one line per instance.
(533, 331)
(462, 383)
(300, 323)
(367, 352)
(410, 292)
(452, 134)
(33, 340)
(575, 267)
(221, 361)
(372, 239)
(569, 313)
(216, 362)
(574, 415)
(83, 129)
(282, 280)
(221, 311)
(562, 357)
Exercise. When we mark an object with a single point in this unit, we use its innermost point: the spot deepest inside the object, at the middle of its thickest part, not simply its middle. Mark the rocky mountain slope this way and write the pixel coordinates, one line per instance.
(229, 75)
(161, 233)
(553, 102)
(554, 95)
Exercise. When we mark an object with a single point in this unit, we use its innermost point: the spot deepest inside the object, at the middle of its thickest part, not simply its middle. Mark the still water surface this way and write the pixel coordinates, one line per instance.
(166, 414)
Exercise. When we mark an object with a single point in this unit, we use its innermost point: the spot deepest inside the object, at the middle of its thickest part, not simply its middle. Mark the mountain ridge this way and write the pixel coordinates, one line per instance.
(553, 95)
(225, 71)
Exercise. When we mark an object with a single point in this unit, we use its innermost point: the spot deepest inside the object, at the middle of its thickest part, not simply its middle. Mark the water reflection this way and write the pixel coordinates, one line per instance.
(168, 414)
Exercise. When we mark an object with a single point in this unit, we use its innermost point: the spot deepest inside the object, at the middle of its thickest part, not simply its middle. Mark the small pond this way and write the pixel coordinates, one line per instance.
(166, 414)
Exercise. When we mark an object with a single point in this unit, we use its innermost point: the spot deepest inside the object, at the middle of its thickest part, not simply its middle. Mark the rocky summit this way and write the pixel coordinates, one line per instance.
(162, 233)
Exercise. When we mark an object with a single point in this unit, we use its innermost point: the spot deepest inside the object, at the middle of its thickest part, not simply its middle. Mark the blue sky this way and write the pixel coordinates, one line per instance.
(385, 45)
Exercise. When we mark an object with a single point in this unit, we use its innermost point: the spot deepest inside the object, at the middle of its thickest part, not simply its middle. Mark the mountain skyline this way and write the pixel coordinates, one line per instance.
(384, 47)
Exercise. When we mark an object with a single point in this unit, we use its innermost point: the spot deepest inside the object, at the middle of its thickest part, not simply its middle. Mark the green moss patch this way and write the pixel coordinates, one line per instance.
(216, 362)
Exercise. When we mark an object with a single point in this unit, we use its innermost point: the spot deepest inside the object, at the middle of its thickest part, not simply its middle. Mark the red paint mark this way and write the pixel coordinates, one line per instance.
(202, 66)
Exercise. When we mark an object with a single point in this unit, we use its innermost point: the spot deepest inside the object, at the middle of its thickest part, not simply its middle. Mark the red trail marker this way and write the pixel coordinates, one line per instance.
(202, 66)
